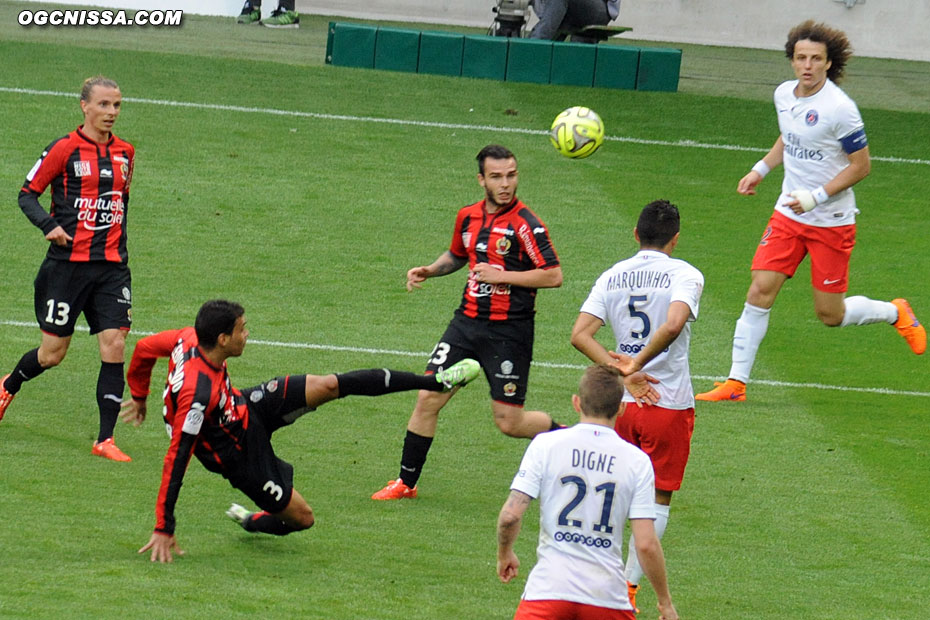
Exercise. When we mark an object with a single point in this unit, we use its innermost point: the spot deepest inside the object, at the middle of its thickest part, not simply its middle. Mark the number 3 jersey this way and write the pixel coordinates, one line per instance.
(204, 414)
(634, 297)
(588, 482)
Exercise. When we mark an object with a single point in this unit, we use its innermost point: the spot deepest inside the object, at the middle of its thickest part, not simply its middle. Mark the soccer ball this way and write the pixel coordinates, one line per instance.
(577, 132)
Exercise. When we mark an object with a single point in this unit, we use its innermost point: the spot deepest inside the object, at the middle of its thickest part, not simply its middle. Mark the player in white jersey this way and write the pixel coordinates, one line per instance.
(589, 482)
(824, 150)
(650, 301)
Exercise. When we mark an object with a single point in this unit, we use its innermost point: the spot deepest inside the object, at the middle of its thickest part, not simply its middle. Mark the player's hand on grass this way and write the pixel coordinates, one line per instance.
(162, 546)
(132, 411)
(639, 385)
(415, 276)
(507, 566)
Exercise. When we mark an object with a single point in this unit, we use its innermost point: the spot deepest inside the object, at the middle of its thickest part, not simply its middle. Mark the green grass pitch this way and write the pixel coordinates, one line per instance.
(278, 188)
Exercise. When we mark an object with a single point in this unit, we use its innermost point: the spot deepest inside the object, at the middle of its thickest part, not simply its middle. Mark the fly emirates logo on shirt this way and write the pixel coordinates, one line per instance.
(794, 147)
(101, 213)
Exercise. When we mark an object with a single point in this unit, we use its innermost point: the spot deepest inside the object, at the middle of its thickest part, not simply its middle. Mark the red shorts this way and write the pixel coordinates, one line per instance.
(568, 610)
(663, 434)
(786, 242)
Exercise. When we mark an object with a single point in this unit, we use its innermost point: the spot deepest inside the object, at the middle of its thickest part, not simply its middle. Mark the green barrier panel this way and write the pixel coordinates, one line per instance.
(500, 58)
(330, 33)
(354, 45)
(529, 60)
(616, 66)
(573, 64)
(658, 69)
(397, 49)
(484, 57)
(441, 53)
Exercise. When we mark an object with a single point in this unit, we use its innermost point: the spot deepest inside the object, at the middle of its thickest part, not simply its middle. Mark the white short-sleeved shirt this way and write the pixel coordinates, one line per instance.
(634, 296)
(818, 131)
(588, 482)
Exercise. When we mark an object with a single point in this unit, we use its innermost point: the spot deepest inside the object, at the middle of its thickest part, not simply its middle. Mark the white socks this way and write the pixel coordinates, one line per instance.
(862, 311)
(754, 322)
(750, 330)
(634, 571)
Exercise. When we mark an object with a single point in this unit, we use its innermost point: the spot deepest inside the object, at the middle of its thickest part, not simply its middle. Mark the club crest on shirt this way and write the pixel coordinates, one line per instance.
(811, 118)
(510, 389)
(503, 246)
(82, 168)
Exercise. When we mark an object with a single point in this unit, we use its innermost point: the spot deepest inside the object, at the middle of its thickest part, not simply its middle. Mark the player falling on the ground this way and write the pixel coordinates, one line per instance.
(509, 256)
(229, 430)
(650, 301)
(589, 482)
(86, 268)
(824, 150)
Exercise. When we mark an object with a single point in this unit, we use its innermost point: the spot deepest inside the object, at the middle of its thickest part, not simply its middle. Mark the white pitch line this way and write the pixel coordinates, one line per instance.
(424, 354)
(432, 124)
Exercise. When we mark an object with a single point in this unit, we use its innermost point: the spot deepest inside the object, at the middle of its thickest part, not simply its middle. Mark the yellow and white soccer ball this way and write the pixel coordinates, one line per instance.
(577, 132)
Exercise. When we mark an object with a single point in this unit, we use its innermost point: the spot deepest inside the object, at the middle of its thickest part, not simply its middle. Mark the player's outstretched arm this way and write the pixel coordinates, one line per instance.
(445, 264)
(163, 546)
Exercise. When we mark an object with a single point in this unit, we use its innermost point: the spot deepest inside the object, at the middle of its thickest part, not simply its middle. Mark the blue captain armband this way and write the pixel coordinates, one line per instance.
(856, 141)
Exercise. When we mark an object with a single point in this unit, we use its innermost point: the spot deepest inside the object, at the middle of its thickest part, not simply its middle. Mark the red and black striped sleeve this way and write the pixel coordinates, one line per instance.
(49, 166)
(534, 237)
(146, 353)
(193, 401)
(462, 221)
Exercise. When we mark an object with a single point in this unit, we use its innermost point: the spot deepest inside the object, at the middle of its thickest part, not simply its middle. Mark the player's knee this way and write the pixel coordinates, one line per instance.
(830, 318)
(509, 425)
(321, 388)
(305, 519)
(49, 358)
(300, 518)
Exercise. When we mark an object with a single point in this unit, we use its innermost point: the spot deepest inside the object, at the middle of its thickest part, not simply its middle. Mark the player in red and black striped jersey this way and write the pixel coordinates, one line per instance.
(509, 256)
(85, 270)
(229, 430)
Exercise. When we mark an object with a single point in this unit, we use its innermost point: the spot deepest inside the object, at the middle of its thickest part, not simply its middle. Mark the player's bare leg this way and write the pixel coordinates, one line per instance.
(52, 350)
(516, 421)
(321, 389)
(830, 307)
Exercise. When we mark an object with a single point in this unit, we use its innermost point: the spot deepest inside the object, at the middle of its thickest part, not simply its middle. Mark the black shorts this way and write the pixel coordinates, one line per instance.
(101, 290)
(266, 479)
(503, 348)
